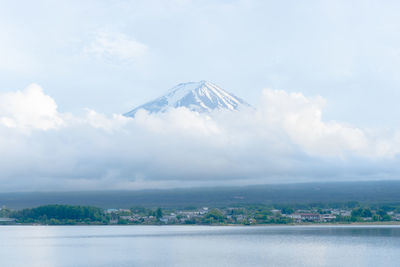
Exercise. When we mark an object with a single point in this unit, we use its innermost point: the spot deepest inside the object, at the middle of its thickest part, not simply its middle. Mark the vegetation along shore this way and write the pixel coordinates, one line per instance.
(315, 213)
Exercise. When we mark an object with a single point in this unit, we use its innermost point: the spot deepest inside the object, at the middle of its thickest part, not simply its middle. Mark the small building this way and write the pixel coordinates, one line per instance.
(111, 211)
(295, 216)
(396, 217)
(328, 217)
(345, 213)
(310, 217)
(164, 220)
(305, 217)
(113, 221)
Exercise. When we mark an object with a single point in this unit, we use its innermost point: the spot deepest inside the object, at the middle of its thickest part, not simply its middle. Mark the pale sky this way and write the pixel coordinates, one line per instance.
(324, 76)
(114, 55)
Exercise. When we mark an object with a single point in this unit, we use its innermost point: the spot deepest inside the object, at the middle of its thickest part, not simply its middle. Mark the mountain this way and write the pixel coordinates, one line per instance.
(337, 193)
(200, 96)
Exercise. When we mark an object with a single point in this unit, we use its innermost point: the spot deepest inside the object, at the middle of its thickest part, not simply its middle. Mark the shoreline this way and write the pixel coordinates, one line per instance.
(222, 225)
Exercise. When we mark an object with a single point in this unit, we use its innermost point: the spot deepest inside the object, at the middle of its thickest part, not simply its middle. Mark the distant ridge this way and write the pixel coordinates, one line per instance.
(331, 192)
(200, 96)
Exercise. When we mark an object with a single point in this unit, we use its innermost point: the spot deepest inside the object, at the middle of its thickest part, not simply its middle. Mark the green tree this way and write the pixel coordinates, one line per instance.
(357, 212)
(366, 213)
(287, 210)
(159, 213)
(61, 213)
(214, 216)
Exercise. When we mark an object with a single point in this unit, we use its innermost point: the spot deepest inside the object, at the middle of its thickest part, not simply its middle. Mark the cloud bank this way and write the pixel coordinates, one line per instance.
(283, 139)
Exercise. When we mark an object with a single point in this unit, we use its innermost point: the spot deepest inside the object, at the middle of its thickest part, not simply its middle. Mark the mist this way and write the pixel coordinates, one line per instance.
(282, 139)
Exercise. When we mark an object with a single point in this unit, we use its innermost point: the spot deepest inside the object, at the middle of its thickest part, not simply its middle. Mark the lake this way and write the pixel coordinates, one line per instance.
(199, 246)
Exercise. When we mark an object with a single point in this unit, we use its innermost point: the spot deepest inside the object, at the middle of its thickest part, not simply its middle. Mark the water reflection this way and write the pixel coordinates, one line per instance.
(199, 246)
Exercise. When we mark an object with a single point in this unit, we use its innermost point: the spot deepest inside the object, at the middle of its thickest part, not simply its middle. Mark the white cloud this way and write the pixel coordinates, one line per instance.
(301, 118)
(284, 139)
(178, 121)
(116, 47)
(29, 109)
(100, 121)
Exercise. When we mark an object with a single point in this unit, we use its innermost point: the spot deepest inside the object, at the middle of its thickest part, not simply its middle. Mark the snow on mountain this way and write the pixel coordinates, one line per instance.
(200, 96)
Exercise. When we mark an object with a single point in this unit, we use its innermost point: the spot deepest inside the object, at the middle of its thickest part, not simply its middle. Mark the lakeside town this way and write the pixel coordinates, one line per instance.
(249, 215)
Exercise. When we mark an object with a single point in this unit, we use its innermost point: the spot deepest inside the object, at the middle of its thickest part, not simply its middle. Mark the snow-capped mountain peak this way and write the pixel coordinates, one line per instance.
(200, 96)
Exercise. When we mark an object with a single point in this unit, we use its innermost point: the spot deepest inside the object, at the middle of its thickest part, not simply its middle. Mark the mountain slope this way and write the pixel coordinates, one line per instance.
(200, 96)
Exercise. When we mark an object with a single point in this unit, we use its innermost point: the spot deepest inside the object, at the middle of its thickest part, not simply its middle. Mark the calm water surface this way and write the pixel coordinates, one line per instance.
(199, 246)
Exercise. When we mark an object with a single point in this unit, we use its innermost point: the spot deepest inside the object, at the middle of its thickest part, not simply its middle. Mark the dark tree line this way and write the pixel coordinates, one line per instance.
(61, 214)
